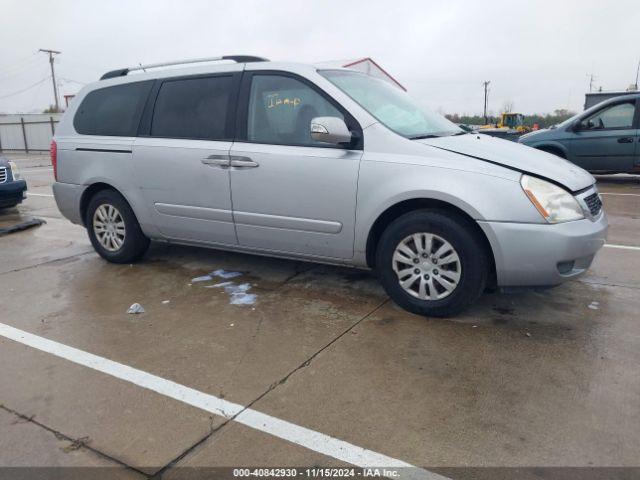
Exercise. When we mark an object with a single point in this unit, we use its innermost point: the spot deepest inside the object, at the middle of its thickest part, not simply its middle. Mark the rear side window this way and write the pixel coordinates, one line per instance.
(112, 111)
(193, 108)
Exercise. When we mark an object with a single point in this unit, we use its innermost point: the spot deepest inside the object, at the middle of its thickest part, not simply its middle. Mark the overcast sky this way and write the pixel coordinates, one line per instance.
(537, 54)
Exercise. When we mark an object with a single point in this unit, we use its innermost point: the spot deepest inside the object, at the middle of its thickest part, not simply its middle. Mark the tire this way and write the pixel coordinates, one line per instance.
(465, 263)
(110, 213)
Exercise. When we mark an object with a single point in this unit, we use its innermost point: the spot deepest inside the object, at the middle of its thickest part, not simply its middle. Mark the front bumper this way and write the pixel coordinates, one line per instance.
(541, 254)
(12, 193)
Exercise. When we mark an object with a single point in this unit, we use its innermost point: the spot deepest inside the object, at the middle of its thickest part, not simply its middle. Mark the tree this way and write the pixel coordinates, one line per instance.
(51, 109)
(543, 121)
(507, 106)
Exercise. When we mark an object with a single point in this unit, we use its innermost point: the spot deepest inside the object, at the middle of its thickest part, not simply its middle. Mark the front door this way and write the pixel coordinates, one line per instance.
(181, 163)
(290, 193)
(606, 140)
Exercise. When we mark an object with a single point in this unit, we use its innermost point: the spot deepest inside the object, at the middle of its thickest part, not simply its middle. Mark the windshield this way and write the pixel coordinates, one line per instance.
(391, 106)
(567, 121)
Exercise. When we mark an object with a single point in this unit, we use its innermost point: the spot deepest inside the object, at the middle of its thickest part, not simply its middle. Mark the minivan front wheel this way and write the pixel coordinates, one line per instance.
(113, 228)
(431, 263)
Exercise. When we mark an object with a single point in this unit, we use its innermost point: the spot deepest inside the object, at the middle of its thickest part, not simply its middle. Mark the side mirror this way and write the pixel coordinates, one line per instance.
(330, 130)
(577, 126)
(591, 124)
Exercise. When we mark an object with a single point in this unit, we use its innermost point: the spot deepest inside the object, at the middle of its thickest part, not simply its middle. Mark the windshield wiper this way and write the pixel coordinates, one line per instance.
(460, 133)
(422, 137)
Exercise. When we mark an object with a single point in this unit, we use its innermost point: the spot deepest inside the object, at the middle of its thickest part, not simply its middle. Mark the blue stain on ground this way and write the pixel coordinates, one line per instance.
(238, 292)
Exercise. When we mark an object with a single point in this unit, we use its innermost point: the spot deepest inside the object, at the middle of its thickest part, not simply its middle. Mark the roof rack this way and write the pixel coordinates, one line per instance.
(236, 58)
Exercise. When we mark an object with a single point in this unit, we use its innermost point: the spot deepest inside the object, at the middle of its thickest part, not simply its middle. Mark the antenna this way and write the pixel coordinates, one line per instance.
(592, 77)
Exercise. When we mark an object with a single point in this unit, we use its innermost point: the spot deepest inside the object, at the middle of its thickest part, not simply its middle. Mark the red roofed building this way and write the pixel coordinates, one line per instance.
(366, 65)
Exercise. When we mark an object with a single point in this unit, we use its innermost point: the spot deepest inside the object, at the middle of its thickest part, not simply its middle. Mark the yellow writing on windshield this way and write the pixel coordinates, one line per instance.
(274, 100)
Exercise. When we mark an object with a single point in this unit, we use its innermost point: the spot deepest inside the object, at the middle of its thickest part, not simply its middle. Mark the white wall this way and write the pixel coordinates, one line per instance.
(37, 127)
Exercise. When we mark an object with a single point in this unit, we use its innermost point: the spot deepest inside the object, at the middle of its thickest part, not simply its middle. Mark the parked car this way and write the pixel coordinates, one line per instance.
(13, 189)
(603, 139)
(327, 165)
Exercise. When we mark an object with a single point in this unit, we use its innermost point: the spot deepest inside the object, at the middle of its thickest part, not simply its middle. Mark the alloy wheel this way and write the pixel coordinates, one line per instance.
(427, 266)
(109, 228)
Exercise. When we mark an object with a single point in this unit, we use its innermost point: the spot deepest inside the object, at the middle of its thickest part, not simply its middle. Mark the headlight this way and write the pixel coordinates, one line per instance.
(555, 204)
(14, 171)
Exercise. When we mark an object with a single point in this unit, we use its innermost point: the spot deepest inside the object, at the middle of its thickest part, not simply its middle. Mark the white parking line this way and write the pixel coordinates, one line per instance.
(621, 194)
(36, 169)
(39, 194)
(310, 439)
(621, 247)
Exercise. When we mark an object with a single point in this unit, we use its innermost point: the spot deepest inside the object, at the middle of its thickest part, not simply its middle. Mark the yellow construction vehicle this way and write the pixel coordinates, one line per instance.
(509, 122)
(514, 121)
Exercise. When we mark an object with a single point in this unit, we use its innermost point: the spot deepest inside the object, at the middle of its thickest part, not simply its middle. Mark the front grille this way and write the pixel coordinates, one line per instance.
(3, 174)
(593, 203)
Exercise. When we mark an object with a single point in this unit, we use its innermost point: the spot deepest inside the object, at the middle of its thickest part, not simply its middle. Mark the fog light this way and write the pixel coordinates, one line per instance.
(565, 267)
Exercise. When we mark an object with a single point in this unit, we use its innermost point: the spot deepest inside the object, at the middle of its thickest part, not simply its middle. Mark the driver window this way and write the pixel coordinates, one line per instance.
(281, 109)
(616, 116)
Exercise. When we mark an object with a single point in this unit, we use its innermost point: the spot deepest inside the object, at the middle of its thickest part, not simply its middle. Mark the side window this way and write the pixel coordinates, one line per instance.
(281, 109)
(192, 108)
(112, 111)
(616, 116)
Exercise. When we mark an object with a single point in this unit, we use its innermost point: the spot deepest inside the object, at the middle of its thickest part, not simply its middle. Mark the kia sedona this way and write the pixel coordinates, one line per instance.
(326, 165)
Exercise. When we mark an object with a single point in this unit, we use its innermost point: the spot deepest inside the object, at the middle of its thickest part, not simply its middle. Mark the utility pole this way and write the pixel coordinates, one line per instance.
(637, 74)
(53, 75)
(592, 77)
(486, 98)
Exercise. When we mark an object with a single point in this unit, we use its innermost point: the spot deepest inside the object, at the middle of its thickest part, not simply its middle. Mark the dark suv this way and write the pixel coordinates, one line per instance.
(603, 139)
(12, 188)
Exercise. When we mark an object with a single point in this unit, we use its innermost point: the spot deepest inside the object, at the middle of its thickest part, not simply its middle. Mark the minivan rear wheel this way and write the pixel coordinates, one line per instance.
(113, 228)
(432, 263)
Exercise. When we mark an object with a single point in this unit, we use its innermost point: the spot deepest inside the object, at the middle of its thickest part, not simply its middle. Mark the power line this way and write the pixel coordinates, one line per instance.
(25, 89)
(18, 68)
(71, 80)
(35, 95)
(20, 62)
(53, 74)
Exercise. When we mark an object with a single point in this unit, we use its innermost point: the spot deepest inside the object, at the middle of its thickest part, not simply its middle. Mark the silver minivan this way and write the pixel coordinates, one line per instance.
(326, 165)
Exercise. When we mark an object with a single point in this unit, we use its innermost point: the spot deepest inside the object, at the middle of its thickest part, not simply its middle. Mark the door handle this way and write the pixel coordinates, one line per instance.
(242, 162)
(625, 140)
(216, 160)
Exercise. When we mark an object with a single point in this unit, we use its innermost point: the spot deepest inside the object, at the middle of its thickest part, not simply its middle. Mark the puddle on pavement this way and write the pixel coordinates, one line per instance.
(238, 293)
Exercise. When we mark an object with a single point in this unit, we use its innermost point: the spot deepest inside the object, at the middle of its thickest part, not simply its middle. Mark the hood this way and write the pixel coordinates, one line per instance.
(535, 133)
(517, 157)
